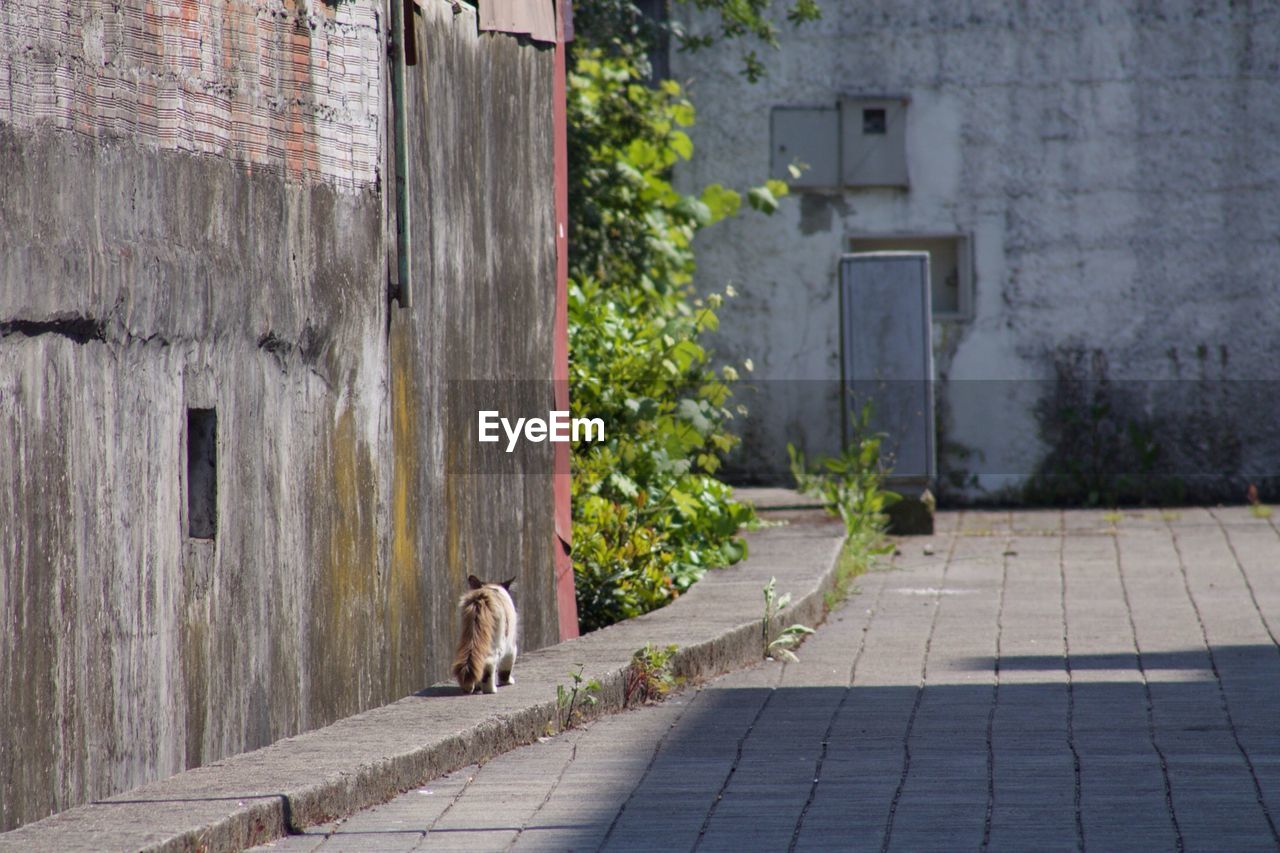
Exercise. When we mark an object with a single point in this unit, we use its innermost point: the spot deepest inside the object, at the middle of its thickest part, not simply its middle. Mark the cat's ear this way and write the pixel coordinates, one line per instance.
(474, 582)
(506, 584)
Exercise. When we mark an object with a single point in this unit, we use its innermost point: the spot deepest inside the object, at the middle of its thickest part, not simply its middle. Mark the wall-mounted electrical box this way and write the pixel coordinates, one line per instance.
(887, 356)
(861, 142)
(807, 137)
(873, 141)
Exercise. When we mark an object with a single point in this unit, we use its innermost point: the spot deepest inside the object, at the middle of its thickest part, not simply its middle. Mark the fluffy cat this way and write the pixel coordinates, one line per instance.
(487, 648)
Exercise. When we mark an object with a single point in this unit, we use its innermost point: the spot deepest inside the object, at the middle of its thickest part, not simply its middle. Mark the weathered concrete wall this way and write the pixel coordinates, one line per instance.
(231, 253)
(1116, 166)
(483, 250)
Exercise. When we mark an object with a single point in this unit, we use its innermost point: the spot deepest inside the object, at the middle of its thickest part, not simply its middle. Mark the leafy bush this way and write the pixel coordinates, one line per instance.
(649, 514)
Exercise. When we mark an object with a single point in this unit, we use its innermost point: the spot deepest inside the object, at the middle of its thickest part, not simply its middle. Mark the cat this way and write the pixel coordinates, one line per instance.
(487, 648)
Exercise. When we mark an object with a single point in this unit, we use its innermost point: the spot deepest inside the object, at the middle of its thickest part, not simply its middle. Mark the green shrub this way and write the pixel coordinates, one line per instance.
(649, 514)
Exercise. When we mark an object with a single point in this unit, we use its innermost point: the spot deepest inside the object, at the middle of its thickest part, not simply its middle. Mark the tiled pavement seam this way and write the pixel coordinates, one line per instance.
(1211, 612)
(1179, 840)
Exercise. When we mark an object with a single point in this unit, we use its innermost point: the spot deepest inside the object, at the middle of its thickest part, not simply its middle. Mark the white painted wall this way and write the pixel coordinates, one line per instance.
(1118, 167)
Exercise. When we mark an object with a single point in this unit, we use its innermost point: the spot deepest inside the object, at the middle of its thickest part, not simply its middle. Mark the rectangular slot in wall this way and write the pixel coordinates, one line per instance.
(202, 473)
(951, 278)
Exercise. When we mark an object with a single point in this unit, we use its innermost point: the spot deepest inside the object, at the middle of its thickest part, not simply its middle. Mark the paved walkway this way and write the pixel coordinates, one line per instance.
(1034, 680)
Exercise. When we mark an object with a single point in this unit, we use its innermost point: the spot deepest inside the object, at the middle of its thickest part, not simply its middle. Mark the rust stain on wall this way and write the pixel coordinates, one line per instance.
(343, 600)
(405, 602)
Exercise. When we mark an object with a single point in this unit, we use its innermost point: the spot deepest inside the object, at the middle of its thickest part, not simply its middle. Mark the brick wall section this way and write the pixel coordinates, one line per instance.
(269, 84)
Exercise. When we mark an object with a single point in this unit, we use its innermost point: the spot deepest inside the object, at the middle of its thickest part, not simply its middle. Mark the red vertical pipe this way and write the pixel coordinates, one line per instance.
(565, 599)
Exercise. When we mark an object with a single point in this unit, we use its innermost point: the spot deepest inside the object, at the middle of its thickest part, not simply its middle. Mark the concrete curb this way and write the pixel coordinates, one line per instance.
(367, 759)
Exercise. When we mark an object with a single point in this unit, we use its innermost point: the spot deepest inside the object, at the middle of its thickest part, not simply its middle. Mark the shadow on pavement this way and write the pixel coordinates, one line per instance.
(1112, 764)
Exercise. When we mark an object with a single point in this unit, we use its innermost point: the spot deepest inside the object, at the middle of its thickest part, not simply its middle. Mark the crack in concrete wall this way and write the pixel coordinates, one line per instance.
(79, 330)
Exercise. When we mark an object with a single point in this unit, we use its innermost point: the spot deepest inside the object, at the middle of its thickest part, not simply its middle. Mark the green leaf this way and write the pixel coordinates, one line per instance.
(762, 199)
(686, 505)
(641, 153)
(697, 210)
(721, 201)
(687, 353)
(681, 144)
(691, 411)
(624, 484)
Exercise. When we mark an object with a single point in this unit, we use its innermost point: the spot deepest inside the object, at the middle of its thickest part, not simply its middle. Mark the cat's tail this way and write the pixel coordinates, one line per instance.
(479, 626)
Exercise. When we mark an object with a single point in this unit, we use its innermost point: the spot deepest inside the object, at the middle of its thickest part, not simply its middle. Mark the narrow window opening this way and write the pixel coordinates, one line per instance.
(873, 122)
(202, 473)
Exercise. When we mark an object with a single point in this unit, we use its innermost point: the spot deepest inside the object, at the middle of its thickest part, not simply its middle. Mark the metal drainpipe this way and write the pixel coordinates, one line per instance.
(404, 267)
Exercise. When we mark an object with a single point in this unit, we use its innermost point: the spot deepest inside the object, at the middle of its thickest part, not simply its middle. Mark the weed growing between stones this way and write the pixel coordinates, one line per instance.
(857, 555)
(571, 701)
(778, 645)
(851, 485)
(649, 677)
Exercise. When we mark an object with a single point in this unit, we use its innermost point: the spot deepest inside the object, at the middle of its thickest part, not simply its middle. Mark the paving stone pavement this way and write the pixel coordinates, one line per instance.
(1018, 681)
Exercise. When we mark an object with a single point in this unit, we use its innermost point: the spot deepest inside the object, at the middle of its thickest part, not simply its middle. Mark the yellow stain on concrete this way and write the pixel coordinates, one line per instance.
(404, 620)
(344, 649)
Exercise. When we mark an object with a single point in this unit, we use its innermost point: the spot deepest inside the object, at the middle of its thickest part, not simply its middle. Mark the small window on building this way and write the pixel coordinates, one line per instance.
(202, 473)
(873, 122)
(950, 268)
